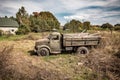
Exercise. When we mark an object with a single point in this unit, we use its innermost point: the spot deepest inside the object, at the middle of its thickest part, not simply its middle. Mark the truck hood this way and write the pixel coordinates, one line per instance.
(42, 41)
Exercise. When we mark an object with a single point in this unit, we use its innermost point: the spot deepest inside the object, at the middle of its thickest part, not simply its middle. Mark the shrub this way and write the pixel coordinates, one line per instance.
(1, 32)
(23, 29)
(117, 28)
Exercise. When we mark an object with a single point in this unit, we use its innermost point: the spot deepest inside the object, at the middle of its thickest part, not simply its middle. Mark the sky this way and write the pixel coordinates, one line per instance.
(95, 11)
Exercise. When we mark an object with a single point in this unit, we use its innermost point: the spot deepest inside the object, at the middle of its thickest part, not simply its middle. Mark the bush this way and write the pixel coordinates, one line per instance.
(117, 28)
(1, 32)
(73, 26)
(23, 29)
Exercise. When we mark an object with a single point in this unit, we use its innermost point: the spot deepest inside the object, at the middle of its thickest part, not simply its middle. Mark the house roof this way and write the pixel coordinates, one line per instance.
(6, 22)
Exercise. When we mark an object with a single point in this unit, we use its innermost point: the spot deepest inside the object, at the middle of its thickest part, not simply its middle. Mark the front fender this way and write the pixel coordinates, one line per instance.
(44, 46)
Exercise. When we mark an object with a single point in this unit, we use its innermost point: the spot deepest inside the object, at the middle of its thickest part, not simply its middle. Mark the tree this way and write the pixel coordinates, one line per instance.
(23, 29)
(35, 27)
(86, 25)
(36, 14)
(117, 27)
(6, 17)
(22, 17)
(107, 26)
(45, 21)
(50, 19)
(13, 18)
(73, 25)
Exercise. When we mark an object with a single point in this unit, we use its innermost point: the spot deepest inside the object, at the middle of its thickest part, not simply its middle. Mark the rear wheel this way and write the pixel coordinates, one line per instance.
(82, 50)
(43, 52)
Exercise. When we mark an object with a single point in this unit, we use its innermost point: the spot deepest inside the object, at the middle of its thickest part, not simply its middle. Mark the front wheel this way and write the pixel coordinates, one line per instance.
(43, 52)
(82, 50)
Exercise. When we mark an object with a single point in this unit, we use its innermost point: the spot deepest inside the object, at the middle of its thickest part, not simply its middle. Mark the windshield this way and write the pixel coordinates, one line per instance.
(53, 37)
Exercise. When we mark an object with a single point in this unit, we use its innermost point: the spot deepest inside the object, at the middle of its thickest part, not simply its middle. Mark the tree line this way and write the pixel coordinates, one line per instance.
(38, 22)
(46, 21)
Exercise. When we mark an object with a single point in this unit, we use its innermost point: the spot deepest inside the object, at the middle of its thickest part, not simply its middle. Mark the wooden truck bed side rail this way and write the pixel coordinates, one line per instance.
(80, 42)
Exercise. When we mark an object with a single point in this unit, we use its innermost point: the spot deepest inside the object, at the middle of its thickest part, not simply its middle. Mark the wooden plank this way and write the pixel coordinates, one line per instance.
(91, 42)
(81, 38)
(74, 43)
(79, 42)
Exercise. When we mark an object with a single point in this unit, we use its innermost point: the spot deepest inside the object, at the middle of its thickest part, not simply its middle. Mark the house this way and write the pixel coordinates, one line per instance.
(8, 26)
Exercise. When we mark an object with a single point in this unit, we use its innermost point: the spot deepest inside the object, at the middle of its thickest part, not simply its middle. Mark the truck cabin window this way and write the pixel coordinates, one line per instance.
(55, 37)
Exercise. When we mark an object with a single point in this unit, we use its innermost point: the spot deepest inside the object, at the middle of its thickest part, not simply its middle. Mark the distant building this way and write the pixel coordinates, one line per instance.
(8, 26)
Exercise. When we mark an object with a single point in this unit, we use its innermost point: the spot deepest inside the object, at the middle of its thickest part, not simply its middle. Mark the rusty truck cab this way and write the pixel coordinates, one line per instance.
(55, 42)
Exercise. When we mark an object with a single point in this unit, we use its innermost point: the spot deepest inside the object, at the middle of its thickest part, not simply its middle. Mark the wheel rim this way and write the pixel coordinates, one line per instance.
(43, 52)
(83, 52)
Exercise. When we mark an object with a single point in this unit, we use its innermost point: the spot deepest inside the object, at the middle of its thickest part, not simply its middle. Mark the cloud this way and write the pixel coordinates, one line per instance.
(78, 17)
(96, 11)
(113, 8)
(92, 7)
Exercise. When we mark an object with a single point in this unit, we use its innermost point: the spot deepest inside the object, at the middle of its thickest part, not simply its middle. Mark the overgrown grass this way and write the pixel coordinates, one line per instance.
(11, 37)
(102, 63)
(31, 36)
(53, 57)
(18, 66)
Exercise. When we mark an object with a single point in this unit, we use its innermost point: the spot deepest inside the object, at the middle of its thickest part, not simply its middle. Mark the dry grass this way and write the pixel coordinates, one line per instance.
(18, 66)
(102, 63)
(16, 63)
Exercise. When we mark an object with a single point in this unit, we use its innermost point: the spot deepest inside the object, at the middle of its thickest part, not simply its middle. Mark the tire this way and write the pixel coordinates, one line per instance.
(82, 50)
(43, 52)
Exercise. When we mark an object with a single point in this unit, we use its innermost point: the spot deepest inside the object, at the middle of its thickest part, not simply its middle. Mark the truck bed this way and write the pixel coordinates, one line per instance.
(81, 39)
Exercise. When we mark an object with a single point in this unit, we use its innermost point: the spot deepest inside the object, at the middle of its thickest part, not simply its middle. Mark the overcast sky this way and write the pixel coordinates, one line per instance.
(95, 11)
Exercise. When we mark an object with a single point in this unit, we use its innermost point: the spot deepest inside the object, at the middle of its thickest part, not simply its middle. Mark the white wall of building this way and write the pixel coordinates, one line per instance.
(12, 30)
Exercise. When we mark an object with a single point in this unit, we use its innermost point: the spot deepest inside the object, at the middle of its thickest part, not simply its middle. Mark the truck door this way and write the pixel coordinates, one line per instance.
(55, 44)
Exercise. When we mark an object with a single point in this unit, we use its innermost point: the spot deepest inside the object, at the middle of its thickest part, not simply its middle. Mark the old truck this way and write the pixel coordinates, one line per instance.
(56, 43)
